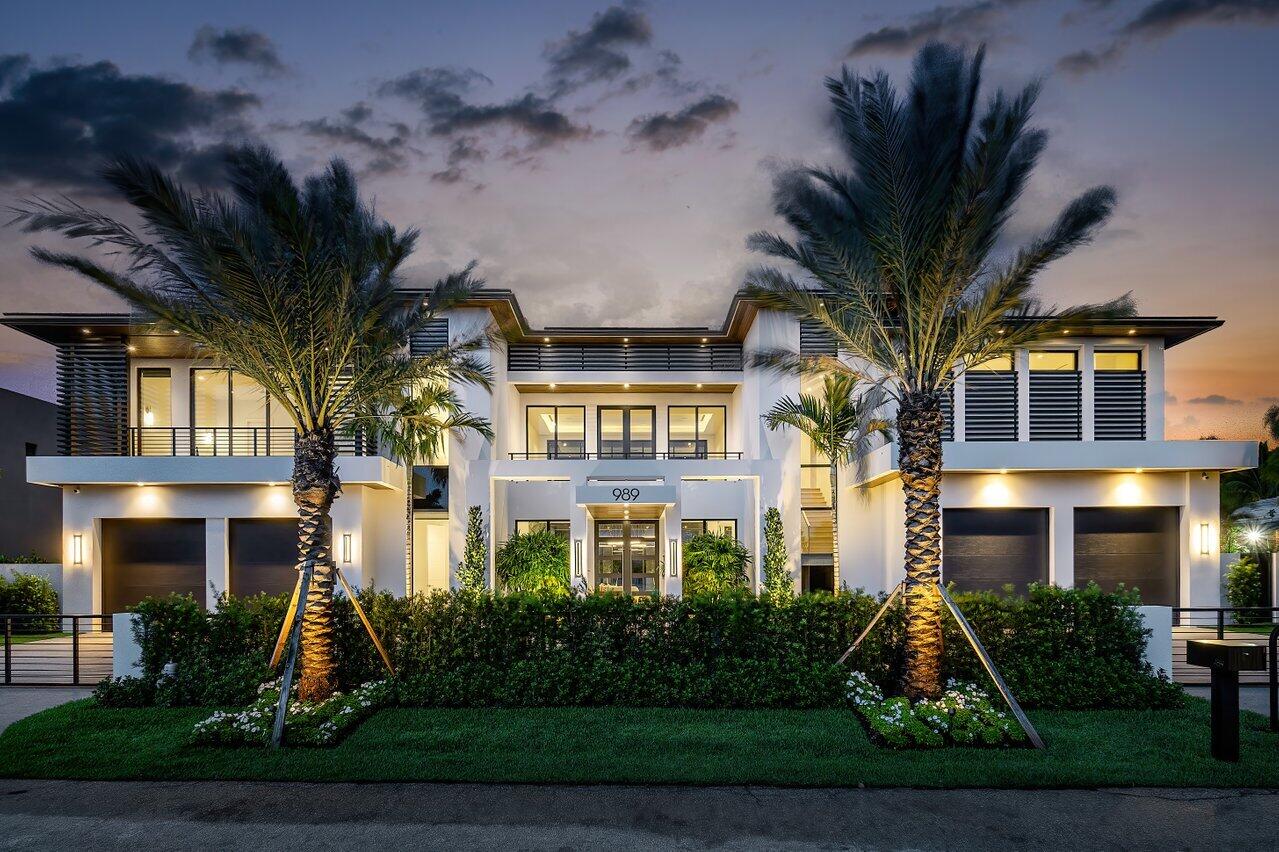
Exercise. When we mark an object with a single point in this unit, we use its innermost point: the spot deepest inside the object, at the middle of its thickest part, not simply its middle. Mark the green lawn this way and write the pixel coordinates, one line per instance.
(626, 745)
(24, 638)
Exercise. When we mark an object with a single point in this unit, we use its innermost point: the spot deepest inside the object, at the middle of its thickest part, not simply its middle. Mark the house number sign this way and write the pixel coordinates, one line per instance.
(625, 495)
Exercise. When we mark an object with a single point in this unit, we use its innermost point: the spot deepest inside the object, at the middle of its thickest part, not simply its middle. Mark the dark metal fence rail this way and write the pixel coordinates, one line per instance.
(230, 441)
(611, 356)
(1237, 625)
(56, 650)
(571, 456)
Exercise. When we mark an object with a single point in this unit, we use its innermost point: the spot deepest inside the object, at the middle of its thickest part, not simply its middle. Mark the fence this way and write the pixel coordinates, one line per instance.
(56, 650)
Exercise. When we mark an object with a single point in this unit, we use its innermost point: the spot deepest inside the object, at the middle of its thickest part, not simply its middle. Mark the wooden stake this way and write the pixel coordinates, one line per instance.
(288, 622)
(883, 609)
(295, 640)
(359, 610)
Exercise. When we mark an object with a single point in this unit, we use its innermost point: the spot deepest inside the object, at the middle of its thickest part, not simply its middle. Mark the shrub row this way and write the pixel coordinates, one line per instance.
(29, 594)
(1055, 647)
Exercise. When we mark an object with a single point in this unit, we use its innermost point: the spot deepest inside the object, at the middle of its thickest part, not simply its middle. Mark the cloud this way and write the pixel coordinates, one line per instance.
(1268, 400)
(1215, 399)
(442, 95)
(1170, 399)
(960, 22)
(240, 46)
(59, 124)
(1162, 18)
(388, 153)
(465, 149)
(597, 53)
(662, 130)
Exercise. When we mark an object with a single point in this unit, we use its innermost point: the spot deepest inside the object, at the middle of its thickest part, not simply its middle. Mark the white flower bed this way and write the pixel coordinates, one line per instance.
(964, 715)
(319, 724)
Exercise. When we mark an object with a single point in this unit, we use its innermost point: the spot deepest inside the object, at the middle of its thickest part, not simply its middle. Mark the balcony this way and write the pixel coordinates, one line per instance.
(610, 455)
(229, 441)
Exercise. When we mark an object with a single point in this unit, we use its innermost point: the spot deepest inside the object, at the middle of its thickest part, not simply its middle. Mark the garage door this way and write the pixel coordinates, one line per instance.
(263, 556)
(987, 549)
(1137, 547)
(153, 558)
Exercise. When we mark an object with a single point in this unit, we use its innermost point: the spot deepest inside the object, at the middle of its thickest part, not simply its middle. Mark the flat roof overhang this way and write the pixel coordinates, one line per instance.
(373, 471)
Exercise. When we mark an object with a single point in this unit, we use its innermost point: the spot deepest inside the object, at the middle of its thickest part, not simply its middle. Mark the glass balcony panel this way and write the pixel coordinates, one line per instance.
(816, 532)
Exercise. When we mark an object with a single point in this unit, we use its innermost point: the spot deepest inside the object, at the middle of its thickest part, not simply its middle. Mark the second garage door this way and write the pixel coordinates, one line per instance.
(263, 556)
(987, 549)
(1137, 547)
(152, 558)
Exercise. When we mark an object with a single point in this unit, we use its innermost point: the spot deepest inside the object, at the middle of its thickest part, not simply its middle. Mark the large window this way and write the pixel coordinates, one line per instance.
(556, 431)
(526, 527)
(1116, 361)
(1119, 396)
(154, 436)
(230, 415)
(727, 527)
(627, 431)
(695, 431)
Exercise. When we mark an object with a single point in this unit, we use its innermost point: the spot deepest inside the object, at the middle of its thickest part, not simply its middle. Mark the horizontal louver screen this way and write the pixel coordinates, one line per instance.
(1119, 406)
(815, 339)
(1055, 403)
(93, 398)
(430, 337)
(569, 356)
(948, 415)
(990, 406)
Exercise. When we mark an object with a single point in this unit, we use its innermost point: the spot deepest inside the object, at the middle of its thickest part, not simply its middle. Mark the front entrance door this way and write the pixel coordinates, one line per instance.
(626, 556)
(627, 431)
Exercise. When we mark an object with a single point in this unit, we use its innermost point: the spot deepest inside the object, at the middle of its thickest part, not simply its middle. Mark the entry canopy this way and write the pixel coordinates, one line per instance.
(623, 494)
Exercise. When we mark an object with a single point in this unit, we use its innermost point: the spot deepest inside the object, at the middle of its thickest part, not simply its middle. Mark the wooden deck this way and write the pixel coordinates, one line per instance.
(49, 661)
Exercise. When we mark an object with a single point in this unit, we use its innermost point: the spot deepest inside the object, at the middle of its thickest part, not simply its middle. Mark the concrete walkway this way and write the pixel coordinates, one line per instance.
(132, 816)
(1254, 698)
(19, 702)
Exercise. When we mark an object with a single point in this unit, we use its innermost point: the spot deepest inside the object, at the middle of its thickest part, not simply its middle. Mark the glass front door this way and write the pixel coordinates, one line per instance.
(626, 556)
(627, 431)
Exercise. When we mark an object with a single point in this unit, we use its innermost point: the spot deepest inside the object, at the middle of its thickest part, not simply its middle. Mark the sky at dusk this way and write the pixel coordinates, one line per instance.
(607, 162)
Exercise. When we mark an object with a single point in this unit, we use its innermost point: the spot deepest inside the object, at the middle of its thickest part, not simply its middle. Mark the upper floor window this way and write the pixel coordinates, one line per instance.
(556, 431)
(1119, 396)
(1116, 361)
(1055, 395)
(231, 415)
(155, 398)
(1054, 361)
(691, 528)
(627, 431)
(997, 364)
(560, 528)
(695, 431)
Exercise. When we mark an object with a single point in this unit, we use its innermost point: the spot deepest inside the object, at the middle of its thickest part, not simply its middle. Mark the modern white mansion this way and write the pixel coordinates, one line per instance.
(174, 471)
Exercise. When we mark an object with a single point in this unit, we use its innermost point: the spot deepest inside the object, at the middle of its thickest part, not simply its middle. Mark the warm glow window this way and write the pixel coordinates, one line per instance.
(556, 431)
(695, 431)
(691, 528)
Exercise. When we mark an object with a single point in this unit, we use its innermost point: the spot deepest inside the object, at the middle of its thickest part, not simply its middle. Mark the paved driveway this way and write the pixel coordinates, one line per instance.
(19, 702)
(61, 815)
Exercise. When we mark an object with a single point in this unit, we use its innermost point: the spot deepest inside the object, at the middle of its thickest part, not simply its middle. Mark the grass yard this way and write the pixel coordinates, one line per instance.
(27, 638)
(649, 746)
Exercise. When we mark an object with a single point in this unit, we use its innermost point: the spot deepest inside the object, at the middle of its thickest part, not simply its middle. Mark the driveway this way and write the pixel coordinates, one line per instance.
(58, 815)
(19, 702)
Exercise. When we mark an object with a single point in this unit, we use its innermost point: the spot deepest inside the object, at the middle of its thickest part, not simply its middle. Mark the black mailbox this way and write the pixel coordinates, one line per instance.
(1225, 660)
(1219, 655)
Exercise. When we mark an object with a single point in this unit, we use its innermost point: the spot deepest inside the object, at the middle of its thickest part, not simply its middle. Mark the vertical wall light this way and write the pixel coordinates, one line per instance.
(673, 546)
(577, 557)
(1205, 545)
(346, 547)
(77, 549)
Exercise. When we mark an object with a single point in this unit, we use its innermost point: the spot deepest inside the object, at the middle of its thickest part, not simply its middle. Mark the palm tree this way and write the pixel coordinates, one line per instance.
(840, 423)
(415, 428)
(295, 287)
(898, 256)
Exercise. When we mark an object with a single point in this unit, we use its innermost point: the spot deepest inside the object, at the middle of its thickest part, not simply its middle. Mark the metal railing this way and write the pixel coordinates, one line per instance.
(1239, 625)
(39, 650)
(572, 456)
(229, 441)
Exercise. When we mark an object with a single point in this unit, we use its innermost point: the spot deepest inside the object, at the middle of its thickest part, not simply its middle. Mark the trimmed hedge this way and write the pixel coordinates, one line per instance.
(30, 594)
(1055, 647)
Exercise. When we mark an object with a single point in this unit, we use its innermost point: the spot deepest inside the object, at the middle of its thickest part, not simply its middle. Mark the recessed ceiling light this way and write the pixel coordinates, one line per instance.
(704, 339)
(551, 385)
(1132, 331)
(626, 384)
(546, 340)
(140, 484)
(626, 340)
(699, 384)
(132, 348)
(85, 330)
(1065, 331)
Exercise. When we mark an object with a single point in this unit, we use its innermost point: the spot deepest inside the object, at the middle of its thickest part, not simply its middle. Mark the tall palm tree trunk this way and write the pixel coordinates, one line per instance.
(919, 427)
(315, 485)
(834, 527)
(408, 529)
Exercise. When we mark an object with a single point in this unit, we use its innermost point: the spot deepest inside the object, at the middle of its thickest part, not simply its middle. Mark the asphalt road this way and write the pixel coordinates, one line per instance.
(136, 816)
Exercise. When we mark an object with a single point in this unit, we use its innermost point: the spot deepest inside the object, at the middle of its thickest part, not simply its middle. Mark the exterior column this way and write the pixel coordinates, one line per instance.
(217, 560)
(671, 525)
(581, 560)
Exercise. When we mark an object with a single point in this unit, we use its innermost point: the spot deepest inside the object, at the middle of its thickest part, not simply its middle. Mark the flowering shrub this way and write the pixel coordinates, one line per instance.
(319, 724)
(964, 715)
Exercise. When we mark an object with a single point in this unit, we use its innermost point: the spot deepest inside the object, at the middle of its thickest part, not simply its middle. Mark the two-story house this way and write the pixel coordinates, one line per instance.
(174, 471)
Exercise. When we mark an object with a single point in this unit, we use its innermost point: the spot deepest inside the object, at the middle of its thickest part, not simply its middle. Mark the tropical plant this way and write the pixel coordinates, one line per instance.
(841, 423)
(472, 571)
(415, 428)
(778, 582)
(29, 594)
(533, 562)
(292, 286)
(897, 254)
(714, 564)
(1245, 587)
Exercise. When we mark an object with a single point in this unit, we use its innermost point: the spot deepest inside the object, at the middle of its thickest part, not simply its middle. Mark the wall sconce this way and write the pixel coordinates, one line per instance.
(346, 547)
(577, 557)
(77, 549)
(674, 557)
(1205, 545)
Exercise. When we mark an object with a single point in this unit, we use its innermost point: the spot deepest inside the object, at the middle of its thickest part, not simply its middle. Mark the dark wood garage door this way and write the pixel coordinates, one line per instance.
(263, 556)
(1138, 547)
(987, 549)
(151, 558)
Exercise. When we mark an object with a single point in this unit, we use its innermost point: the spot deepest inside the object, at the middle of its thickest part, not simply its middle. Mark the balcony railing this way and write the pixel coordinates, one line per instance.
(608, 456)
(229, 441)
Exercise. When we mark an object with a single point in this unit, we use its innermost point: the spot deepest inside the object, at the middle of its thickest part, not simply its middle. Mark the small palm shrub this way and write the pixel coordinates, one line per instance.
(533, 562)
(1245, 587)
(714, 564)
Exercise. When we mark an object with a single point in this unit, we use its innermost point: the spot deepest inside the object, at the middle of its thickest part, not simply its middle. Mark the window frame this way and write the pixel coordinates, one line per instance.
(697, 432)
(704, 522)
(626, 430)
(529, 454)
(546, 522)
(154, 372)
(1141, 365)
(1073, 352)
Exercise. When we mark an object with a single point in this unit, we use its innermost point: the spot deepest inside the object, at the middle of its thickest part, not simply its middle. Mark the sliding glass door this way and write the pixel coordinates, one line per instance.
(627, 431)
